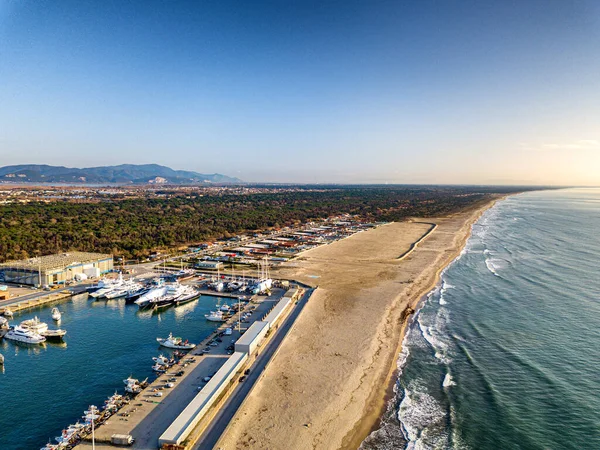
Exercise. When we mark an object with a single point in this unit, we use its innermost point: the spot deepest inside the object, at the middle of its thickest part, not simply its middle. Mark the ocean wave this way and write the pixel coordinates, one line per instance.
(422, 419)
(433, 334)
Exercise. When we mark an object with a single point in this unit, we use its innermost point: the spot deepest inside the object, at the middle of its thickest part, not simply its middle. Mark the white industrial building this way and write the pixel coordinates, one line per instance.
(252, 338)
(55, 269)
(245, 346)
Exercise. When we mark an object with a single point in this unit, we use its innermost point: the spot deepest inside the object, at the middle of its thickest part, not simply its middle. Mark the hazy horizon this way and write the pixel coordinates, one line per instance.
(312, 92)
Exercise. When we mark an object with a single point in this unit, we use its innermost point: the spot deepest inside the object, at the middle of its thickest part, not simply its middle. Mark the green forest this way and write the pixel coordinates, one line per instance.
(133, 228)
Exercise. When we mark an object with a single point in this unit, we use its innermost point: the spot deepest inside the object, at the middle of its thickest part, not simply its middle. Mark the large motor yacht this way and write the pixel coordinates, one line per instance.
(24, 335)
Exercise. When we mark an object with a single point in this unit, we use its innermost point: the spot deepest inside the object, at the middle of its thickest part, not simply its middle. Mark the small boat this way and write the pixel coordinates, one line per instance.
(160, 359)
(56, 315)
(3, 323)
(215, 316)
(1, 359)
(132, 385)
(159, 368)
(54, 335)
(24, 335)
(50, 446)
(225, 308)
(175, 342)
(8, 313)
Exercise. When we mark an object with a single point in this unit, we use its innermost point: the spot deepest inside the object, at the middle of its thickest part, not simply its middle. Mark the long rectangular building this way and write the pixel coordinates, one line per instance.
(54, 269)
(181, 428)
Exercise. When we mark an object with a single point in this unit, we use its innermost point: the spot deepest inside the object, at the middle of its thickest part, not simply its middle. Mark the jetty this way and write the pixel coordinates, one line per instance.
(23, 305)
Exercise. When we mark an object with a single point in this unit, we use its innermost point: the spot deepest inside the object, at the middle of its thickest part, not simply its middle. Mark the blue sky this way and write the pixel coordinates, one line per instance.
(329, 91)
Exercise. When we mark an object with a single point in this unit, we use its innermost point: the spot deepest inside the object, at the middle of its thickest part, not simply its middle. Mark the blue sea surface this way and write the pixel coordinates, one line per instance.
(505, 353)
(45, 388)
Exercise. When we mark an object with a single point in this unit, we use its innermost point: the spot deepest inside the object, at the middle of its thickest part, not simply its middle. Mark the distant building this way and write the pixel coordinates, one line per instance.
(209, 265)
(55, 269)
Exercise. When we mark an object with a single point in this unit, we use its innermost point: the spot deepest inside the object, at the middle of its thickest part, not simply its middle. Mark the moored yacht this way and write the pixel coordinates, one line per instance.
(172, 293)
(175, 342)
(56, 315)
(106, 285)
(215, 316)
(189, 293)
(41, 328)
(35, 325)
(24, 335)
(152, 294)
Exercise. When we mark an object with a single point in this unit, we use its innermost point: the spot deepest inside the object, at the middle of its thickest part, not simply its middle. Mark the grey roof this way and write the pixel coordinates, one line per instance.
(57, 261)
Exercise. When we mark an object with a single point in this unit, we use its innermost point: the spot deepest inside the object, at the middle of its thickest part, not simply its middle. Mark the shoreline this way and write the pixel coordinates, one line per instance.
(331, 381)
(414, 307)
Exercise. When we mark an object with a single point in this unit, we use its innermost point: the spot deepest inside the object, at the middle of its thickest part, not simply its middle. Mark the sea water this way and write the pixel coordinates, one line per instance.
(505, 352)
(45, 388)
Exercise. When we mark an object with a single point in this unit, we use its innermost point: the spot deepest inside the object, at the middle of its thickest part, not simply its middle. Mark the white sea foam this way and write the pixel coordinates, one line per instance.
(448, 381)
(418, 411)
(404, 353)
(433, 334)
(490, 266)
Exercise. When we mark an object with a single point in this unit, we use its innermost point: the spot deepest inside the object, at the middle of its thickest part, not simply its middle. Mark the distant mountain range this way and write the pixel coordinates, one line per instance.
(125, 173)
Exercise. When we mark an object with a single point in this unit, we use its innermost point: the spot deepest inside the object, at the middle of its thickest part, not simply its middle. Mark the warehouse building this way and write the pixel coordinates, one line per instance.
(55, 269)
(209, 265)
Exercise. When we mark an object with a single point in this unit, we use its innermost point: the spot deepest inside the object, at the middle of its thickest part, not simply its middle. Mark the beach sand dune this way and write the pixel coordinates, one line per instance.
(326, 387)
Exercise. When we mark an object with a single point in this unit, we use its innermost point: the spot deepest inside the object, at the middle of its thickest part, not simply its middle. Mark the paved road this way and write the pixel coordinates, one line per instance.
(213, 433)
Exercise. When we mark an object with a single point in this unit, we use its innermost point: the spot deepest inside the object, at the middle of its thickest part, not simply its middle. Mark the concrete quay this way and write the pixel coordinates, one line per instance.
(148, 416)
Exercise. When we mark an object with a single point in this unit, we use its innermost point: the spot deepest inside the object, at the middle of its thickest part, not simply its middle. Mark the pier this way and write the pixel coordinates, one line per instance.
(23, 305)
(179, 415)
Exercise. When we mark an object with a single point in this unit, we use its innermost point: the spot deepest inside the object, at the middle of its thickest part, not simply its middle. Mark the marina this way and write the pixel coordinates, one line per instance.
(121, 339)
(130, 363)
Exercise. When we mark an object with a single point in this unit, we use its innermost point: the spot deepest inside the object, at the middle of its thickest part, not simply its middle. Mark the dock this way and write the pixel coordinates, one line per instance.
(161, 416)
(24, 305)
(219, 294)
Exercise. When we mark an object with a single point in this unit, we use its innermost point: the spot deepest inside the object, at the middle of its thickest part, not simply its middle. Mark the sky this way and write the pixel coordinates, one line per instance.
(373, 91)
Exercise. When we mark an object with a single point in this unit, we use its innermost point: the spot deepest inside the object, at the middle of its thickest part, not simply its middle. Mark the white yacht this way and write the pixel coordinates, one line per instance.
(175, 342)
(3, 322)
(152, 294)
(225, 308)
(56, 315)
(24, 335)
(189, 293)
(41, 328)
(35, 325)
(173, 294)
(123, 290)
(215, 316)
(106, 285)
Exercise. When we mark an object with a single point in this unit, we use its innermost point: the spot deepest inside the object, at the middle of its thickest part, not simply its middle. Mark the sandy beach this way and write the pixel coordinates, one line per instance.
(326, 387)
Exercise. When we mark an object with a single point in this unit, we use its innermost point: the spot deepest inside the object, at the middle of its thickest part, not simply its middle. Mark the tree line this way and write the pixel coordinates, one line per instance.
(133, 228)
